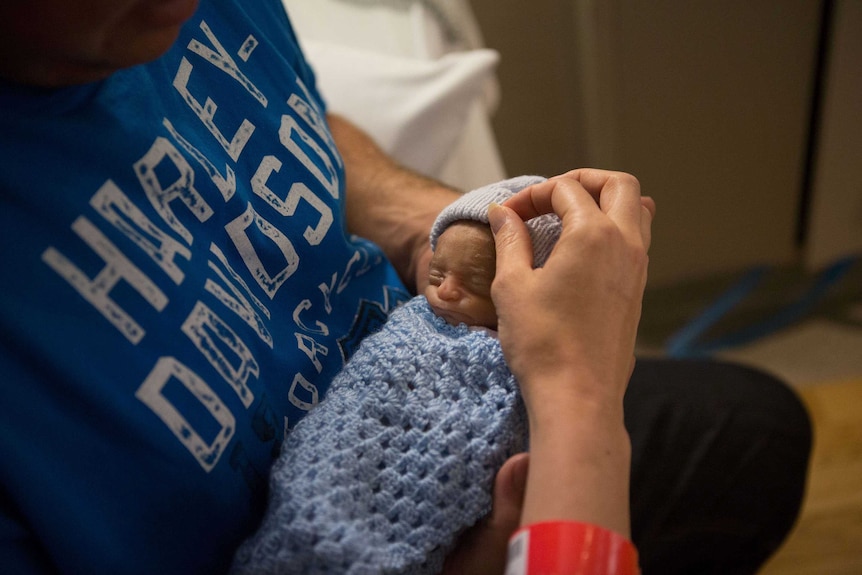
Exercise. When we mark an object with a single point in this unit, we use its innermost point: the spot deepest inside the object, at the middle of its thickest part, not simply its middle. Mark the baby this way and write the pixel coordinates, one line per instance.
(460, 275)
(400, 457)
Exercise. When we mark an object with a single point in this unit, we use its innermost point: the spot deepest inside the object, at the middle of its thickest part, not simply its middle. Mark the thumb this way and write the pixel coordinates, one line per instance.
(511, 237)
(482, 549)
(509, 487)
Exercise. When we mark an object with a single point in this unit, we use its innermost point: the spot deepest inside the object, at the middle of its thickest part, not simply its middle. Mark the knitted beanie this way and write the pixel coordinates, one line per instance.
(544, 230)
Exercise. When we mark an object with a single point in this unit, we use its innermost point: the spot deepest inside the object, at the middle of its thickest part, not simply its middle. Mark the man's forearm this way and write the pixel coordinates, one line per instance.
(387, 203)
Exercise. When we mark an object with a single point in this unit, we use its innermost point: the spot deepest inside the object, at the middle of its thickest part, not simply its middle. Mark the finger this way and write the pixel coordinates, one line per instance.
(647, 215)
(649, 203)
(421, 270)
(620, 199)
(511, 238)
(565, 197)
(592, 179)
(619, 196)
(509, 487)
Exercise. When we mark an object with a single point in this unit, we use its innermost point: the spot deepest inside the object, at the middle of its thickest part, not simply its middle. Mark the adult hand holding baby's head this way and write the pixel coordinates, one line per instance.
(578, 314)
(568, 332)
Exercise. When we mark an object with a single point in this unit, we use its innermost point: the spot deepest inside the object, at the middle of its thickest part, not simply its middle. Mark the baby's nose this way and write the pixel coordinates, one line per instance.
(449, 290)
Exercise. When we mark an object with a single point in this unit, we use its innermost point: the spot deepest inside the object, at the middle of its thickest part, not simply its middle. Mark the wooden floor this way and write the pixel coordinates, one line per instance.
(828, 537)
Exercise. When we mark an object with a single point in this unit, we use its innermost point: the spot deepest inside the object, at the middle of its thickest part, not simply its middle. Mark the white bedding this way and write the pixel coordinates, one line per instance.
(425, 95)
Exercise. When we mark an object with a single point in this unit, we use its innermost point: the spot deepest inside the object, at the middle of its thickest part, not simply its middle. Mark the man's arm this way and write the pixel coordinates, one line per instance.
(389, 204)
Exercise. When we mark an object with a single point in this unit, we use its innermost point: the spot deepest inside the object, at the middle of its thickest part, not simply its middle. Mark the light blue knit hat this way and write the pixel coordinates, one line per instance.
(544, 230)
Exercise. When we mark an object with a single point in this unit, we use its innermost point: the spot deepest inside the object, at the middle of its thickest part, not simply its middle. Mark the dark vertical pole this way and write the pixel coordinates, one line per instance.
(814, 119)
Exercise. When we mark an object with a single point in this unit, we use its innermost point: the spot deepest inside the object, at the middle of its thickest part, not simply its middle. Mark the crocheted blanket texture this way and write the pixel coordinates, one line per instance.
(397, 460)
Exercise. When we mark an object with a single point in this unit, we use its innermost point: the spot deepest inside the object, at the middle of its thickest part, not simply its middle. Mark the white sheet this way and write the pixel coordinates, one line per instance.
(388, 68)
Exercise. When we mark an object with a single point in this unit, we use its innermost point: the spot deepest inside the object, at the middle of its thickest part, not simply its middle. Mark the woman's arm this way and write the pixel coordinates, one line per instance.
(568, 331)
(389, 204)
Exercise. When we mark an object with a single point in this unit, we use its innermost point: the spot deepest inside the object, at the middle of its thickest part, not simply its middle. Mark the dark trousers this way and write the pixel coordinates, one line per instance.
(719, 462)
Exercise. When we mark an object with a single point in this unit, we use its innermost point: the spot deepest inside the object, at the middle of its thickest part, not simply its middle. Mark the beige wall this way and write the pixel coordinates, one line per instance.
(707, 102)
(836, 209)
(539, 84)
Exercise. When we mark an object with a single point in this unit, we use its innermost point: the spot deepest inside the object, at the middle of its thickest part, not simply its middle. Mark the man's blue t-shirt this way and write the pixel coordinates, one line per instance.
(178, 289)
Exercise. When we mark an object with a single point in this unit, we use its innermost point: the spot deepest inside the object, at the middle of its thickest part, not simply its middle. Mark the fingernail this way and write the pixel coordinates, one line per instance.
(496, 217)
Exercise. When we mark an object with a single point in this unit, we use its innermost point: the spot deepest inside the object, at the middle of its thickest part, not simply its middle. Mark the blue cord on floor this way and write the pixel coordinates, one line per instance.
(684, 342)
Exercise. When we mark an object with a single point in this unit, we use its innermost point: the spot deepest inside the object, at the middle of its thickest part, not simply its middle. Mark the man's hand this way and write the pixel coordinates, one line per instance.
(421, 261)
(482, 549)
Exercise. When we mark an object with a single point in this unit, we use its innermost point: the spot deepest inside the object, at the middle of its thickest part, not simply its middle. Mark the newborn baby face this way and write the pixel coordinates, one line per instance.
(461, 273)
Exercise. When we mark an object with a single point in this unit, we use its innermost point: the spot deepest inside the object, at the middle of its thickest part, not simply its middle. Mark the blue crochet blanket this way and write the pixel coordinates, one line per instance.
(398, 459)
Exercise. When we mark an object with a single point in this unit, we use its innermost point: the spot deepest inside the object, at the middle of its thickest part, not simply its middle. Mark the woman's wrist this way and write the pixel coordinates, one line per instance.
(580, 461)
(561, 398)
(553, 547)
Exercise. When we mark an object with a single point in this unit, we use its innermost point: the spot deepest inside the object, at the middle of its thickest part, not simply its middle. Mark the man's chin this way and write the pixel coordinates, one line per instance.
(167, 13)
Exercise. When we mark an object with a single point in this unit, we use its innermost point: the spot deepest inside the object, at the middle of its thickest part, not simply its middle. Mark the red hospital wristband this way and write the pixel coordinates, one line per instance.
(570, 548)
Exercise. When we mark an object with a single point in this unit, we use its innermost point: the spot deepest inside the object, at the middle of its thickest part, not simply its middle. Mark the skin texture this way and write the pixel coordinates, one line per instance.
(53, 43)
(460, 275)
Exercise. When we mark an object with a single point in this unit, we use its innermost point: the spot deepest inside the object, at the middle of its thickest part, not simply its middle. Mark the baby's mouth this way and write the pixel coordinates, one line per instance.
(452, 317)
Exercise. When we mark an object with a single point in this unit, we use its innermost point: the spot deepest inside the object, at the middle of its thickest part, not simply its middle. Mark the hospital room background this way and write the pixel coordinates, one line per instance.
(743, 119)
